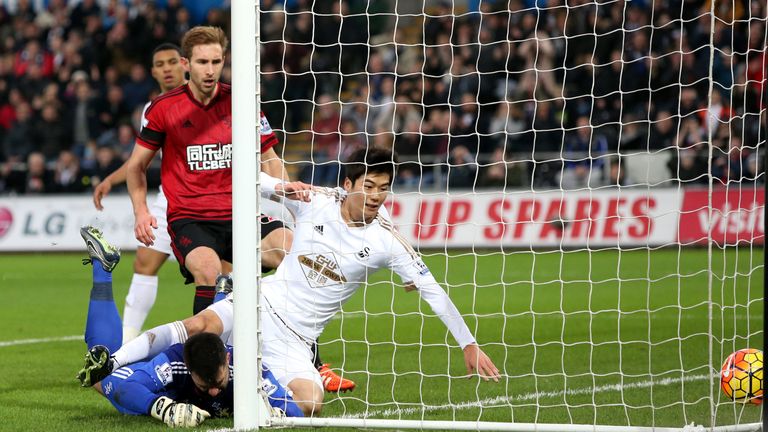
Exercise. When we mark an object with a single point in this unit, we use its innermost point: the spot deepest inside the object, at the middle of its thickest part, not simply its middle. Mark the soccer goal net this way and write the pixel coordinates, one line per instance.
(584, 179)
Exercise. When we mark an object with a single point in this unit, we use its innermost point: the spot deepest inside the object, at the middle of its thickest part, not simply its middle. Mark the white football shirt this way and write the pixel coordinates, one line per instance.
(329, 261)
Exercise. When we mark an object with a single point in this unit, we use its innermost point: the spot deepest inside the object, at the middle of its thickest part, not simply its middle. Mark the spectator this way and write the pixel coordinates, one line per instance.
(352, 139)
(731, 162)
(68, 176)
(617, 173)
(719, 112)
(137, 89)
(584, 155)
(126, 137)
(18, 143)
(753, 170)
(37, 179)
(325, 144)
(407, 145)
(83, 10)
(8, 109)
(500, 173)
(52, 133)
(112, 109)
(462, 169)
(507, 126)
(107, 162)
(85, 122)
(688, 166)
(663, 132)
(33, 55)
(465, 131)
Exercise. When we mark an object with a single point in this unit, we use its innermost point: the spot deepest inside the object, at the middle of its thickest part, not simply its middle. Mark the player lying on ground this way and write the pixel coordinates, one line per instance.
(340, 237)
(181, 386)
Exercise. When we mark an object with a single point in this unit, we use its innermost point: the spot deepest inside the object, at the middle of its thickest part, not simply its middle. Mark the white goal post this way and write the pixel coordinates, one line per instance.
(585, 179)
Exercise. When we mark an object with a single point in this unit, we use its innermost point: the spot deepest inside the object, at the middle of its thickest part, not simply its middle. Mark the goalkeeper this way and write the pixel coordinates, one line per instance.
(181, 386)
(341, 237)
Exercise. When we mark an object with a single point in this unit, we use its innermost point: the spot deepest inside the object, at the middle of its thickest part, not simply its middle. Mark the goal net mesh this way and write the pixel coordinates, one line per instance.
(585, 179)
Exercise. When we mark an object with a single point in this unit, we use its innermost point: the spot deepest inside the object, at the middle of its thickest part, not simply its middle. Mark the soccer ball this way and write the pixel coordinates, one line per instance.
(741, 377)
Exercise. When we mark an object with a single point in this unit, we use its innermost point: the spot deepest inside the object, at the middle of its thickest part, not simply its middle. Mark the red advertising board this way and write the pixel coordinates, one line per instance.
(737, 215)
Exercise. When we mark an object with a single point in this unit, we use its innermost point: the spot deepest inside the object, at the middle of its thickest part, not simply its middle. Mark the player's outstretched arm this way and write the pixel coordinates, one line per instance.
(477, 361)
(136, 176)
(105, 186)
(408, 265)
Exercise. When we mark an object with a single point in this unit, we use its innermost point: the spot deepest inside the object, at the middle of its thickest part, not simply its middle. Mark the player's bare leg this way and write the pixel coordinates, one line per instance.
(307, 395)
(226, 267)
(143, 290)
(204, 264)
(153, 341)
(148, 261)
(274, 247)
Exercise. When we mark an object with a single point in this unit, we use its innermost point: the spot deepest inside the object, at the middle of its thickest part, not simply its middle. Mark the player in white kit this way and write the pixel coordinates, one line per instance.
(340, 237)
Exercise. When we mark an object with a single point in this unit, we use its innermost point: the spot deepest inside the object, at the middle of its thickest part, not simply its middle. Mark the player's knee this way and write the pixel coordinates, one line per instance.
(287, 239)
(311, 408)
(278, 240)
(206, 321)
(275, 245)
(204, 264)
(148, 262)
(308, 396)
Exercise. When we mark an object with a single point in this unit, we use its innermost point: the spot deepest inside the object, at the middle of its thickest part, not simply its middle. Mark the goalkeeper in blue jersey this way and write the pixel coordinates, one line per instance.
(181, 386)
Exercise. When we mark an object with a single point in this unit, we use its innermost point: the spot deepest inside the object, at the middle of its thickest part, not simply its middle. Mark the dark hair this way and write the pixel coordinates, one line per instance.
(371, 160)
(166, 46)
(204, 354)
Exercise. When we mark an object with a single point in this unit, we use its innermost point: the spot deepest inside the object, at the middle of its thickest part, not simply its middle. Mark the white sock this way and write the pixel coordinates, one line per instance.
(139, 301)
(150, 343)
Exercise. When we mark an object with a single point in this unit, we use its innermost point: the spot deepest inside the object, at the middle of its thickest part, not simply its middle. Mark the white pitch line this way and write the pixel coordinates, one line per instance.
(353, 315)
(496, 401)
(39, 341)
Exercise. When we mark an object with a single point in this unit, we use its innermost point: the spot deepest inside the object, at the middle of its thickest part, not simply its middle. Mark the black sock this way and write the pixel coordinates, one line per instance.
(316, 356)
(203, 298)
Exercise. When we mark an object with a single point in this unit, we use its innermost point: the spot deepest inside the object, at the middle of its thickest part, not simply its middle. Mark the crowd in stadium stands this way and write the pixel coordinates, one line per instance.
(512, 96)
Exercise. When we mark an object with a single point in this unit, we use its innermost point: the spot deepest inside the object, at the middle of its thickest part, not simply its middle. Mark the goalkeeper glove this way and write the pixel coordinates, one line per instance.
(176, 414)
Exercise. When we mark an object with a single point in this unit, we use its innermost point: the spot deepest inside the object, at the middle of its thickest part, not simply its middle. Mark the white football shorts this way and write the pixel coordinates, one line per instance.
(286, 354)
(159, 209)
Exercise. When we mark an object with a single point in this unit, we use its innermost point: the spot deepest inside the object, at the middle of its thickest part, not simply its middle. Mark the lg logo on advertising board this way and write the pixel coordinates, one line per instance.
(6, 220)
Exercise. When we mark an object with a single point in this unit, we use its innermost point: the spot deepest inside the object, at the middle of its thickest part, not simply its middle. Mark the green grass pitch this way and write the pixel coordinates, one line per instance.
(580, 337)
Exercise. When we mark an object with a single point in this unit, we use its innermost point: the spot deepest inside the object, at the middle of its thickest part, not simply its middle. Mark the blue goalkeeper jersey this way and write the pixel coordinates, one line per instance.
(133, 389)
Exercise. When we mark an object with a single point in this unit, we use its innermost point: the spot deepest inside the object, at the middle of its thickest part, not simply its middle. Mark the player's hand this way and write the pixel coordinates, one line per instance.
(297, 190)
(176, 414)
(144, 228)
(477, 361)
(100, 191)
